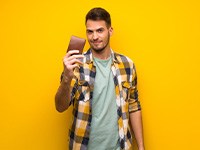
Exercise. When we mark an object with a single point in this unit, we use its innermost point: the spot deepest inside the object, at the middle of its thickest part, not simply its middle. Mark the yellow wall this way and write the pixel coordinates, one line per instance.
(162, 37)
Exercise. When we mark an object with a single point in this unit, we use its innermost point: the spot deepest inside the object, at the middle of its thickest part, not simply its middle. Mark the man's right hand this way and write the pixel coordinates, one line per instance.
(71, 60)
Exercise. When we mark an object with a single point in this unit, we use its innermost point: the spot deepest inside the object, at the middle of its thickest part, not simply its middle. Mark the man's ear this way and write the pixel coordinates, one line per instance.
(111, 31)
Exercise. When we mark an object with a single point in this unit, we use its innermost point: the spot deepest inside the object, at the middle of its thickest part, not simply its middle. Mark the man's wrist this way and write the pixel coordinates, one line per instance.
(66, 80)
(65, 83)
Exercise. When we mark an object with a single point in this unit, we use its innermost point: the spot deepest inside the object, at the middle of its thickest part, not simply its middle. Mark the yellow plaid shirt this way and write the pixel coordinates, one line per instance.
(82, 85)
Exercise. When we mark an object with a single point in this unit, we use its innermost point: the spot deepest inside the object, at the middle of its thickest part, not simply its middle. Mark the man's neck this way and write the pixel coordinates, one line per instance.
(104, 54)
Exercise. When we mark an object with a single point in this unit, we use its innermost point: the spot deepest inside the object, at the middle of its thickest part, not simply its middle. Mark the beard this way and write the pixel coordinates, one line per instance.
(100, 49)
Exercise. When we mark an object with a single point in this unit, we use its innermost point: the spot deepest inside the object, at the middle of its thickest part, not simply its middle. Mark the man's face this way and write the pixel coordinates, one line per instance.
(98, 34)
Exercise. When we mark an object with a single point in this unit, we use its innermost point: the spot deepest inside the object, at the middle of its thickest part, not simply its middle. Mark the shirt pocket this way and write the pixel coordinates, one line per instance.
(83, 91)
(126, 90)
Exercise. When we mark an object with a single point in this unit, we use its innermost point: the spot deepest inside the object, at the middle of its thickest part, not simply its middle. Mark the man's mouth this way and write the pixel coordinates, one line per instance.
(96, 42)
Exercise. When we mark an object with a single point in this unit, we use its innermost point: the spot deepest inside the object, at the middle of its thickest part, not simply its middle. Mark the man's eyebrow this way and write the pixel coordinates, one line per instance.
(89, 30)
(101, 28)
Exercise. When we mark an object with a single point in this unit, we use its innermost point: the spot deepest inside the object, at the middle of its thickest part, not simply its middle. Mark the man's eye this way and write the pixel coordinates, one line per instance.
(100, 31)
(89, 32)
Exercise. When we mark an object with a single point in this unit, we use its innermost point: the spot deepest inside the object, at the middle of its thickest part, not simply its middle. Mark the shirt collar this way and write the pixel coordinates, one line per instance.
(89, 57)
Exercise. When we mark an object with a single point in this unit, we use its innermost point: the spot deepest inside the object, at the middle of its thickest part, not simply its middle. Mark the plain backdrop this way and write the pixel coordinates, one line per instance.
(161, 37)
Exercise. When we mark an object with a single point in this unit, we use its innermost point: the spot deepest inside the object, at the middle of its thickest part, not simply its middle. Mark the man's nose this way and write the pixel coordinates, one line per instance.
(95, 36)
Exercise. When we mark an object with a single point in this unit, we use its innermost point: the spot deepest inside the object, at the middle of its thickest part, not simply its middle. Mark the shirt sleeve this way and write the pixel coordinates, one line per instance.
(134, 103)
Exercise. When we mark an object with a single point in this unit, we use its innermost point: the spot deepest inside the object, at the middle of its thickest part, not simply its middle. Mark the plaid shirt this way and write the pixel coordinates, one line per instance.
(82, 85)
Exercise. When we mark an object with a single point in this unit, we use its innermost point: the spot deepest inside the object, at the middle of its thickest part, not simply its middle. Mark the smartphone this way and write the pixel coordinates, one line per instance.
(76, 43)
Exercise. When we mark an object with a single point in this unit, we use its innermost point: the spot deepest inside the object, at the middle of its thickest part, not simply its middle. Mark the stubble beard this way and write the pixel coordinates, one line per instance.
(99, 50)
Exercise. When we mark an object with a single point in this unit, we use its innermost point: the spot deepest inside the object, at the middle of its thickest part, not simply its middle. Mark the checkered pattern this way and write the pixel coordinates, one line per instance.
(125, 80)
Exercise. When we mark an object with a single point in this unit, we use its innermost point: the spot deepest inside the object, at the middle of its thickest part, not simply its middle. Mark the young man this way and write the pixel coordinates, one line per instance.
(102, 86)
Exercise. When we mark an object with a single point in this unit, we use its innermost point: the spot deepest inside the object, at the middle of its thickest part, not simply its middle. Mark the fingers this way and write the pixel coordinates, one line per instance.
(72, 59)
(71, 62)
(72, 52)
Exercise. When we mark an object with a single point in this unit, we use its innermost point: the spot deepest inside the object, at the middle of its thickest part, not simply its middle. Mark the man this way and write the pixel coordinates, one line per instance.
(102, 86)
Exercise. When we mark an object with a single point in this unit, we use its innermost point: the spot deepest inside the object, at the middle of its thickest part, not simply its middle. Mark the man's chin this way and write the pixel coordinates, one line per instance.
(98, 50)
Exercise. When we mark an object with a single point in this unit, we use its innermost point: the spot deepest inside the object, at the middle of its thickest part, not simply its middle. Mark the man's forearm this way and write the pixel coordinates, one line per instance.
(62, 97)
(136, 124)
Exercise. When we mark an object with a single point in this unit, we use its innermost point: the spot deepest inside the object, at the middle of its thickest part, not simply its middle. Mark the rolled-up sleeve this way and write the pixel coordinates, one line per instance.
(134, 103)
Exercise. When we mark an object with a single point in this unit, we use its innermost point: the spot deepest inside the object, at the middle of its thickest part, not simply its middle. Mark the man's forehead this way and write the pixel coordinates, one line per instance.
(95, 24)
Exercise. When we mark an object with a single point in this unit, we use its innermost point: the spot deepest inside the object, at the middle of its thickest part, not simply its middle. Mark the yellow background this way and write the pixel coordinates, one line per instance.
(162, 37)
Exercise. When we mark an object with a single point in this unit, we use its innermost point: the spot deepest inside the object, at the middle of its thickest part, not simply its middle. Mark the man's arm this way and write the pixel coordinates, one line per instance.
(135, 113)
(136, 124)
(62, 98)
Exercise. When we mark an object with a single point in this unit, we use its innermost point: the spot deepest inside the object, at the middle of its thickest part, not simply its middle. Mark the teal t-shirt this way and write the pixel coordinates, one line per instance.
(104, 133)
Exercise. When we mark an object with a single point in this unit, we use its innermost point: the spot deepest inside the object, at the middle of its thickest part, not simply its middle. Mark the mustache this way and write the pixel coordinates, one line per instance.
(95, 40)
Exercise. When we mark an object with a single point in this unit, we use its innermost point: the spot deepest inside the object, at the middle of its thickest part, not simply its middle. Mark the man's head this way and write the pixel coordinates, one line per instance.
(98, 14)
(98, 29)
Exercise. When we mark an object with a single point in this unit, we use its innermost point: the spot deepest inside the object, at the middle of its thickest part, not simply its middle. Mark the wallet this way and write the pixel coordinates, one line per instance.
(76, 43)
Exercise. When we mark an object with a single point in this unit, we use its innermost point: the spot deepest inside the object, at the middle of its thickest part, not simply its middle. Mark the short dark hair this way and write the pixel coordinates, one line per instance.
(98, 13)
